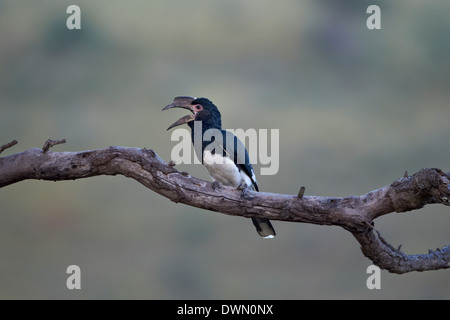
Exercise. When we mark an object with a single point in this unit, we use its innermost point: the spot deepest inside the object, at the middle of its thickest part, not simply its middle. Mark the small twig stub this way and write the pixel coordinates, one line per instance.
(301, 192)
(50, 143)
(8, 145)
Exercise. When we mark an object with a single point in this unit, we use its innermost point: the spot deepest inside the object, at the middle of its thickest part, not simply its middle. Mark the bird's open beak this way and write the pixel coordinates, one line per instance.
(185, 103)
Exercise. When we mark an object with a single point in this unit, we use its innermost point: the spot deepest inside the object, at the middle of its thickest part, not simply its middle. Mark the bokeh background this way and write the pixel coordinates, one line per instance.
(355, 109)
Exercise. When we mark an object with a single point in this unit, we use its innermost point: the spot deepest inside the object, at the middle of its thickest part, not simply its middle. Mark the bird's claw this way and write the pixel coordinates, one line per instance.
(244, 188)
(216, 185)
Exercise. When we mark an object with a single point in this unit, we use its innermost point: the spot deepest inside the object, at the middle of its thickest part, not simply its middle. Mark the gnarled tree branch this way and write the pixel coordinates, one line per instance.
(353, 213)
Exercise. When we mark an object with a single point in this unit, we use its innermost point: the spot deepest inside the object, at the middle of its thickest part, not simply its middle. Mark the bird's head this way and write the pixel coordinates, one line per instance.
(202, 110)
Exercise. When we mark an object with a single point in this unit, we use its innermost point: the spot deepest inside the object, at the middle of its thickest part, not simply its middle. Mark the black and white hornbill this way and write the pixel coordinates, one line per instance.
(227, 160)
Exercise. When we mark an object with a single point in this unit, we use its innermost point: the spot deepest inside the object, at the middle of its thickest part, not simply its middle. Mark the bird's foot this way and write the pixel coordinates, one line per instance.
(244, 188)
(216, 186)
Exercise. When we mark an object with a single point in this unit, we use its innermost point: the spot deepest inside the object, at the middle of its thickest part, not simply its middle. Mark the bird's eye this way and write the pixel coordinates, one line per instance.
(198, 108)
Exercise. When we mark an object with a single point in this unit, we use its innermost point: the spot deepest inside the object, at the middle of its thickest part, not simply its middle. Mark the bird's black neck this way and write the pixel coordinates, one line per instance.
(198, 129)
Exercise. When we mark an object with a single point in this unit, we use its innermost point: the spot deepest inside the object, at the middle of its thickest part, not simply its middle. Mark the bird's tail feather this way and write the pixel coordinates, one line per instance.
(264, 227)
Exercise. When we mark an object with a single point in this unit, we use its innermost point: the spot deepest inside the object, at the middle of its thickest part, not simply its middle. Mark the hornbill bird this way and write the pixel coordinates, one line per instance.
(223, 155)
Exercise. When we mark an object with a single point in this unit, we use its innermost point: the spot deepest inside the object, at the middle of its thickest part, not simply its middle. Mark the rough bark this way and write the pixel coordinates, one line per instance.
(353, 213)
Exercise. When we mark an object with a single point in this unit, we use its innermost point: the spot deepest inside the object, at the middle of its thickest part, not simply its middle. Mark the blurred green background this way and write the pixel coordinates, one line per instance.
(355, 109)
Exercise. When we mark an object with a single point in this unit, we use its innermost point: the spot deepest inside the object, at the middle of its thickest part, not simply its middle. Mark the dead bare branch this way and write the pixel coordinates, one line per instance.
(354, 213)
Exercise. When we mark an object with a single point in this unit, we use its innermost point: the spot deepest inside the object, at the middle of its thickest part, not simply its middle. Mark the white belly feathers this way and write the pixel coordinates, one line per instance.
(224, 170)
